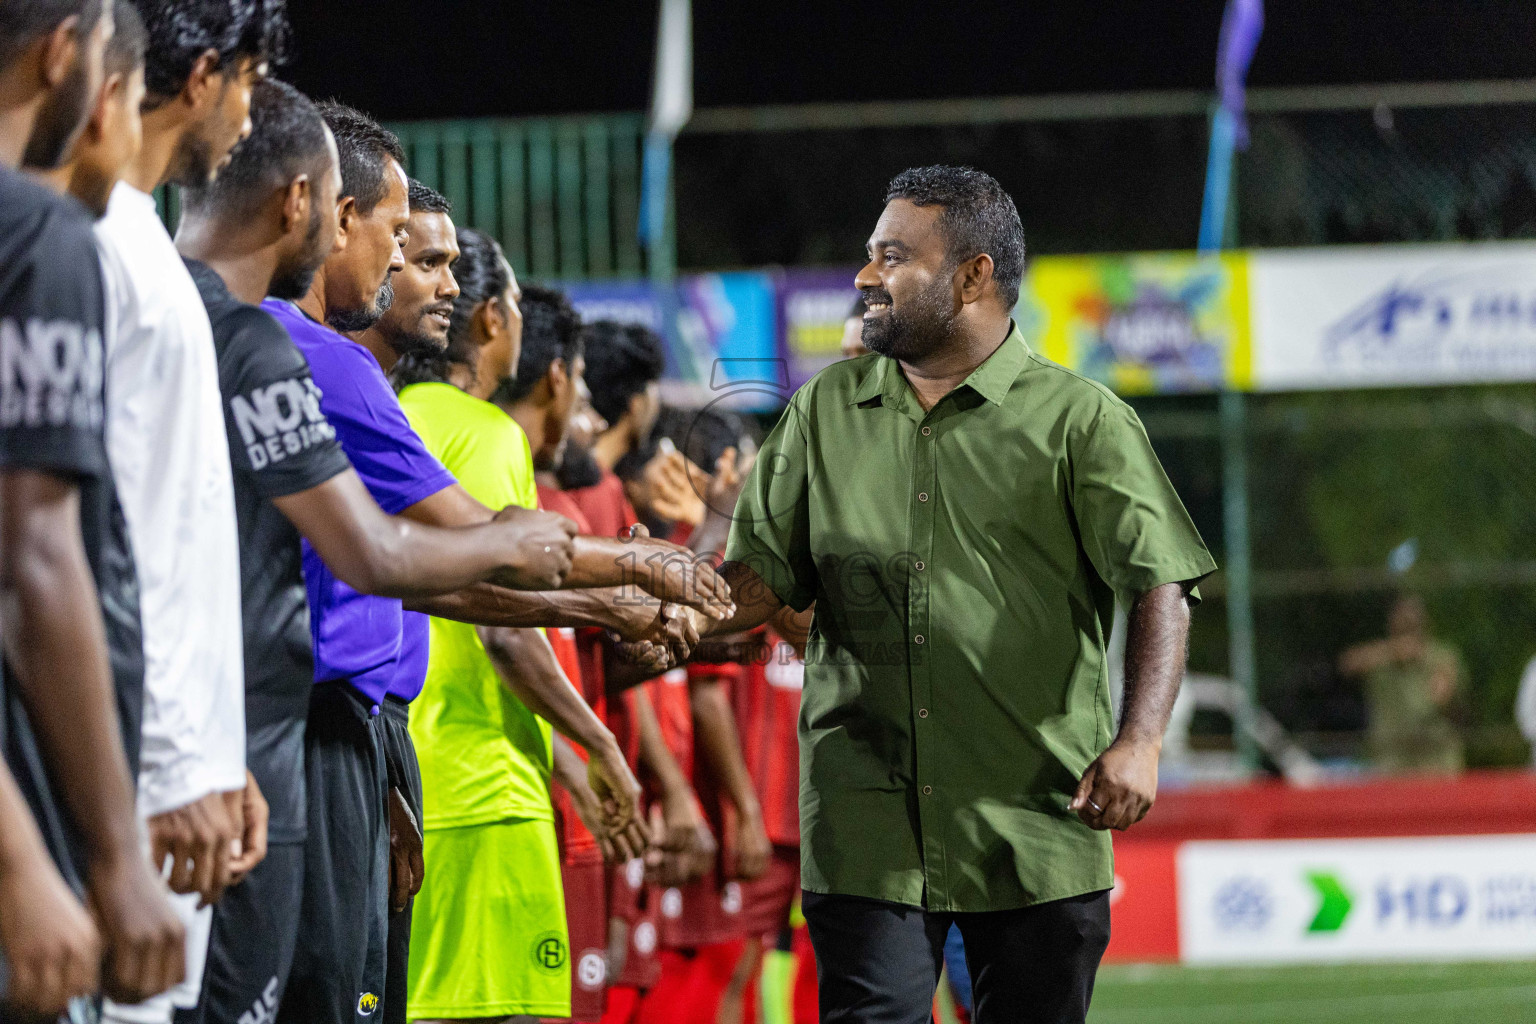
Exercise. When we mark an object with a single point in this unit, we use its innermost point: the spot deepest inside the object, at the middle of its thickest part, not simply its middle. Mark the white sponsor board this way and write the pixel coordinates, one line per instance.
(1272, 901)
(1372, 316)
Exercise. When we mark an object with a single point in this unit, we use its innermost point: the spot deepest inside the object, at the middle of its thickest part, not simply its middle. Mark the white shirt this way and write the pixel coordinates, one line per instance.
(167, 446)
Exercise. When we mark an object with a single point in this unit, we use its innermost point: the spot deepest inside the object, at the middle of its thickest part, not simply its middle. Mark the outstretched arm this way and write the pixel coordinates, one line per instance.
(663, 570)
(1118, 788)
(401, 557)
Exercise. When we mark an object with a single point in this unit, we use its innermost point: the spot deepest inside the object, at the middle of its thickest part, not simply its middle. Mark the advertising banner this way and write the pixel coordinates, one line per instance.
(725, 331)
(727, 335)
(1142, 323)
(1277, 901)
(1374, 316)
(813, 306)
(1143, 908)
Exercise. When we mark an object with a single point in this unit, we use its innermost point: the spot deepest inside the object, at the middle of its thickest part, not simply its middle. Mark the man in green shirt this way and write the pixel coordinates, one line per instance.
(964, 515)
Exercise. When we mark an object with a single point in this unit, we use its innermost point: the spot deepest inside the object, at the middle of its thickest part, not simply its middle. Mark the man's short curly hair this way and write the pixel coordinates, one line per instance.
(979, 217)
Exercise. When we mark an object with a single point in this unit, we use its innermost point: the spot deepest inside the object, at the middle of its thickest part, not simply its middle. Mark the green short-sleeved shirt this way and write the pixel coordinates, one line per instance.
(484, 756)
(964, 564)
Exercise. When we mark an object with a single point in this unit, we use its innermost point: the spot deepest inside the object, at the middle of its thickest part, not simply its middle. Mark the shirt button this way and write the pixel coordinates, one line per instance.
(922, 495)
(927, 791)
(919, 566)
(918, 639)
(927, 431)
(922, 712)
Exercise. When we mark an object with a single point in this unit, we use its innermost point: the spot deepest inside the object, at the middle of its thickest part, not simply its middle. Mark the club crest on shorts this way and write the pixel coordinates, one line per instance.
(366, 1004)
(644, 938)
(591, 970)
(549, 952)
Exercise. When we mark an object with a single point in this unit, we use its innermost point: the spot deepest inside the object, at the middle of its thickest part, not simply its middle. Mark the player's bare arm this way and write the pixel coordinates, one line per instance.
(717, 742)
(54, 640)
(527, 664)
(664, 570)
(49, 942)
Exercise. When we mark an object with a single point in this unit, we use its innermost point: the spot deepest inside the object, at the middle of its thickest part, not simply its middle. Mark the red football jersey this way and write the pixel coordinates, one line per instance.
(605, 505)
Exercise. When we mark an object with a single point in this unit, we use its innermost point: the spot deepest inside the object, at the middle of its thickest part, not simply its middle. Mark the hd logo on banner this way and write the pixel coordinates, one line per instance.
(1357, 899)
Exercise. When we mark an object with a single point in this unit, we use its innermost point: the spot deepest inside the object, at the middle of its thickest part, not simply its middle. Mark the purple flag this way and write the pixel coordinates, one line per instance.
(1241, 26)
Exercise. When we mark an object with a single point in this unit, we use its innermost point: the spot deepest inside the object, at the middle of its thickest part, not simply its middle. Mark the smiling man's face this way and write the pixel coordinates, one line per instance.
(418, 319)
(908, 283)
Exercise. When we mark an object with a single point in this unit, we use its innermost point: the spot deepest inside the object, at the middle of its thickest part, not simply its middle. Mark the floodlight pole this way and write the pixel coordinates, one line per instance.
(1218, 230)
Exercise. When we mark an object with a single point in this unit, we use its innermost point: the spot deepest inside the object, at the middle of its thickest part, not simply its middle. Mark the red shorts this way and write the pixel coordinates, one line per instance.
(630, 900)
(765, 901)
(586, 916)
(714, 910)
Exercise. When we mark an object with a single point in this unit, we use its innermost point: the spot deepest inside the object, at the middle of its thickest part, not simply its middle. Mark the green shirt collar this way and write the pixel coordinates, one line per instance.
(991, 380)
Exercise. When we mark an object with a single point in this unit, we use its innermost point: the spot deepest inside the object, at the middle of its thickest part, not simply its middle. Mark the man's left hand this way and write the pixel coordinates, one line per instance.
(1117, 790)
(252, 848)
(407, 870)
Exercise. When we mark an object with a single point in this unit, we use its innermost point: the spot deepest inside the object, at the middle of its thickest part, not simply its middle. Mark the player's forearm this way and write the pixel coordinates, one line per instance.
(570, 771)
(21, 845)
(53, 636)
(1157, 633)
(655, 756)
(527, 664)
(716, 741)
(486, 604)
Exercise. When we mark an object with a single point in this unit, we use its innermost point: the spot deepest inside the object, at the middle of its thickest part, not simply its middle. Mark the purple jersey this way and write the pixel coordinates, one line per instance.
(358, 637)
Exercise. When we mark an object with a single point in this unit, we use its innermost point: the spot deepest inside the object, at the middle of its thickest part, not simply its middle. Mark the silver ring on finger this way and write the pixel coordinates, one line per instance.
(1095, 806)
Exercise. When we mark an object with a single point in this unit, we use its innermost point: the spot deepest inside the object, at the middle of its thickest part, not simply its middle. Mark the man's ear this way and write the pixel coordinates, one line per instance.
(490, 319)
(205, 84)
(973, 278)
(115, 85)
(346, 221)
(296, 202)
(61, 47)
(558, 376)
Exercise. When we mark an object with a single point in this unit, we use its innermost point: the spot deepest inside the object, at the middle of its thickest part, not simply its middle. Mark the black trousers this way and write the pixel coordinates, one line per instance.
(879, 962)
(250, 949)
(337, 975)
(404, 775)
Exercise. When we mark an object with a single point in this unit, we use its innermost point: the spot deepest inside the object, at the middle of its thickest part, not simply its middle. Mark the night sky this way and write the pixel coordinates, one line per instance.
(442, 58)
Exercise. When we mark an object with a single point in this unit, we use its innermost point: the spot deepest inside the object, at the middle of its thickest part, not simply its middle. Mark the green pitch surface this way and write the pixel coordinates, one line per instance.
(1472, 993)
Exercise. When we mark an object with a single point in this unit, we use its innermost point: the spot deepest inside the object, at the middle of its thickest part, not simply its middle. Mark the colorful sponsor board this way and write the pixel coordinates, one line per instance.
(1151, 323)
(1142, 323)
(721, 332)
(813, 308)
(1304, 900)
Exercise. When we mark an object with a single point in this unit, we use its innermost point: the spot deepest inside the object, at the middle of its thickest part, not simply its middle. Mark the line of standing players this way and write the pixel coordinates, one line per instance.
(243, 584)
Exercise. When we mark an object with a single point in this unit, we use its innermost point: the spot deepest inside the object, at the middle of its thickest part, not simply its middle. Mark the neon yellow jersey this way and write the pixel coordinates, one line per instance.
(484, 756)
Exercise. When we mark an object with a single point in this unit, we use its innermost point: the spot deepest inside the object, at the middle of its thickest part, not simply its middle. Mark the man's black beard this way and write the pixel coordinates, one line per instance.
(59, 121)
(577, 468)
(348, 320)
(293, 282)
(919, 328)
(407, 343)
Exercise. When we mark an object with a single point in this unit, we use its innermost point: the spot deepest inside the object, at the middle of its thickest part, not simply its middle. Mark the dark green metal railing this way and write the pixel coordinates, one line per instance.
(562, 195)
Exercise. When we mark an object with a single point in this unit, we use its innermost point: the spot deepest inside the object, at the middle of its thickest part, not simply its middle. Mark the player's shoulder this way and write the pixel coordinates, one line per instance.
(41, 227)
